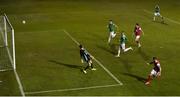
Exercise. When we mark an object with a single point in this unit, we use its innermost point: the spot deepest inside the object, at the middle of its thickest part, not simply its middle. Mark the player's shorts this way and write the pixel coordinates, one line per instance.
(137, 37)
(157, 14)
(112, 34)
(154, 73)
(123, 46)
(86, 58)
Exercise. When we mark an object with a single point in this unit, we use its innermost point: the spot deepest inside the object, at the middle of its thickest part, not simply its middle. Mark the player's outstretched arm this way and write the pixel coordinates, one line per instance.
(142, 32)
(151, 62)
(148, 63)
(159, 73)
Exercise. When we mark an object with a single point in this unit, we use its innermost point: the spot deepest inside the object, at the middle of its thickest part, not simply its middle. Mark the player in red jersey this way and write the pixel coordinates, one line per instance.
(156, 71)
(137, 33)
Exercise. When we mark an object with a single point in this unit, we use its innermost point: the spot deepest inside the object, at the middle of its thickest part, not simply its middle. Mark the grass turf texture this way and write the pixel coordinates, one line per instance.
(48, 59)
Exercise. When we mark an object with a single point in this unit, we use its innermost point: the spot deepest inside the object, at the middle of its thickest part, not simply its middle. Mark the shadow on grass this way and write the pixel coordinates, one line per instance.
(67, 65)
(164, 23)
(143, 54)
(127, 65)
(141, 79)
(113, 48)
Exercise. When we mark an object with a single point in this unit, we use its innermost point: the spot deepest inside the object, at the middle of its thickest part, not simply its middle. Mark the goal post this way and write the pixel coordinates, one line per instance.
(7, 44)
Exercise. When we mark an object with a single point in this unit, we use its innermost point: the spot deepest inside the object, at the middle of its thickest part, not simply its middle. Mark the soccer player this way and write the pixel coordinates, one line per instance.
(122, 45)
(137, 32)
(111, 27)
(85, 56)
(156, 71)
(157, 14)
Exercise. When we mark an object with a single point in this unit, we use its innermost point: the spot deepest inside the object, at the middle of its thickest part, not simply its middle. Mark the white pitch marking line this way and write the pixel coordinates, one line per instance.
(73, 89)
(116, 79)
(161, 47)
(173, 21)
(16, 75)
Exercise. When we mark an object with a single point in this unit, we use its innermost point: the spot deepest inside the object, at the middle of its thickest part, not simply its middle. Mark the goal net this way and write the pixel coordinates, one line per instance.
(7, 44)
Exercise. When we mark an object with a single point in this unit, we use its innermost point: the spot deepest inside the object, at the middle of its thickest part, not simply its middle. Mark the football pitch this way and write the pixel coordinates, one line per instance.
(47, 53)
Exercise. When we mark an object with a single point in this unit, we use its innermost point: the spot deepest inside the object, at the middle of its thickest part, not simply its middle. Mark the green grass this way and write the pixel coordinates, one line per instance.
(47, 59)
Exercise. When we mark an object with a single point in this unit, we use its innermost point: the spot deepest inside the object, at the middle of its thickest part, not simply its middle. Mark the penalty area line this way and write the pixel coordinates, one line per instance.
(72, 89)
(173, 21)
(100, 64)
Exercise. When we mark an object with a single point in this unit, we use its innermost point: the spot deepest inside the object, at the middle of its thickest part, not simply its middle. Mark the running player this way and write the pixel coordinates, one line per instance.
(137, 32)
(122, 45)
(85, 56)
(111, 27)
(157, 14)
(156, 71)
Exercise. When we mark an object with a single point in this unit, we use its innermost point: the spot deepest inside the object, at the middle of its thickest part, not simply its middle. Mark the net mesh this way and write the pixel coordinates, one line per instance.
(6, 46)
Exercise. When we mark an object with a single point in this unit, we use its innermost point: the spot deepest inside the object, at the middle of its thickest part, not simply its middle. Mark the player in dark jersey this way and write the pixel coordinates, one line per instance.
(156, 71)
(137, 32)
(85, 56)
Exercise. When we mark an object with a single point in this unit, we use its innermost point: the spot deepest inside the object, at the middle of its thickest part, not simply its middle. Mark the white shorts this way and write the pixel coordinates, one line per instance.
(112, 34)
(154, 73)
(123, 46)
(137, 38)
(157, 14)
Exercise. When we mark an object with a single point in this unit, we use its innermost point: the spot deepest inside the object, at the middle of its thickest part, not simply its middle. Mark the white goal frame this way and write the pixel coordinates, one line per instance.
(12, 57)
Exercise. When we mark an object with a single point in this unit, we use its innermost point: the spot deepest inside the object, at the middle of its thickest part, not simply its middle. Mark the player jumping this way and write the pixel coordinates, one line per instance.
(85, 56)
(122, 46)
(156, 71)
(111, 27)
(157, 14)
(137, 32)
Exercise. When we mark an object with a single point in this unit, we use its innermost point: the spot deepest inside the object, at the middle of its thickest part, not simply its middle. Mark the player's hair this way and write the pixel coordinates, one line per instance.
(122, 32)
(154, 58)
(80, 46)
(137, 24)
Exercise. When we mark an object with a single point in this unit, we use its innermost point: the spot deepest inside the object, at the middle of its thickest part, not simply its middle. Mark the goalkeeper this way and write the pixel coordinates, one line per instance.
(85, 56)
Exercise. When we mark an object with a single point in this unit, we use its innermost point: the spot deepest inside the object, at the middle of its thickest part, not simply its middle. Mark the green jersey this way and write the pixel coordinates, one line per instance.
(111, 27)
(157, 9)
(123, 39)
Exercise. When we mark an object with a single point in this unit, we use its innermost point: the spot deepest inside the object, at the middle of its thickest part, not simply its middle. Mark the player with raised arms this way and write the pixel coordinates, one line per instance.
(112, 28)
(122, 45)
(85, 56)
(155, 72)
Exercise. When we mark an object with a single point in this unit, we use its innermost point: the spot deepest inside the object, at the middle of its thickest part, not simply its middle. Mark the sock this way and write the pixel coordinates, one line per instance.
(137, 41)
(127, 49)
(86, 67)
(162, 19)
(149, 79)
(109, 39)
(119, 51)
(91, 65)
